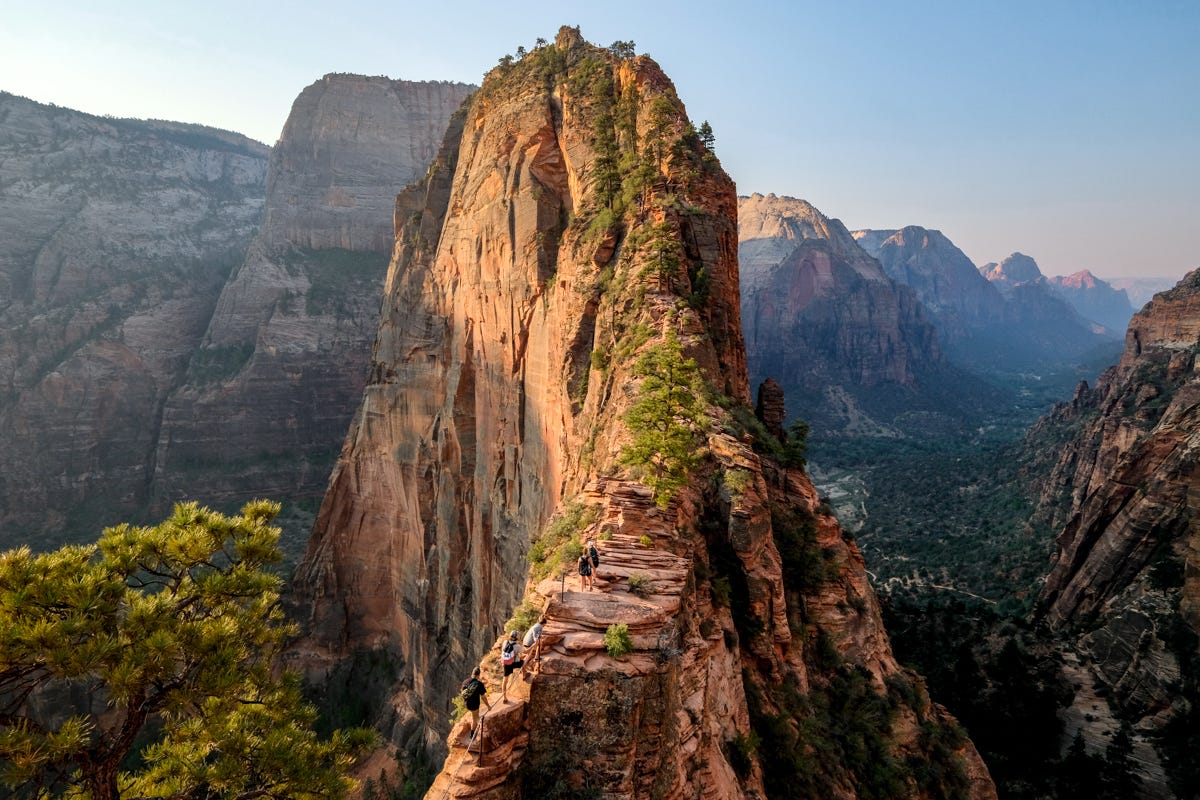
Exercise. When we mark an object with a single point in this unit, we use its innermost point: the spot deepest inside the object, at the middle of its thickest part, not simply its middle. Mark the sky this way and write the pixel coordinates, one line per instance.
(1068, 131)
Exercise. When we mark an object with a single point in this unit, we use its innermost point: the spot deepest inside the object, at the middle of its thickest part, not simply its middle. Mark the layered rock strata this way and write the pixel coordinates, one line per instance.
(283, 363)
(1124, 586)
(572, 229)
(116, 237)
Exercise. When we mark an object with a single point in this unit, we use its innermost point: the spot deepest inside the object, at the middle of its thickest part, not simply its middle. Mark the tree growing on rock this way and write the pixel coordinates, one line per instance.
(667, 419)
(166, 634)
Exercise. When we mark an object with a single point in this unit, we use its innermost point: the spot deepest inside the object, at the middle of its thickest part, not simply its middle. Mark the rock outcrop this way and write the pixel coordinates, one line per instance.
(116, 238)
(271, 390)
(571, 253)
(1124, 587)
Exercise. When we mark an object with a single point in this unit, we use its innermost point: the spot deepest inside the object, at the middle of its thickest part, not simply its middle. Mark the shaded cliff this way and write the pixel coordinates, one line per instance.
(856, 352)
(1124, 589)
(564, 289)
(116, 238)
(272, 388)
(1004, 316)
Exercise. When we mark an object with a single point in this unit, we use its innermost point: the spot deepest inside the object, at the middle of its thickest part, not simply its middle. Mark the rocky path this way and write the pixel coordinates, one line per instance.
(573, 638)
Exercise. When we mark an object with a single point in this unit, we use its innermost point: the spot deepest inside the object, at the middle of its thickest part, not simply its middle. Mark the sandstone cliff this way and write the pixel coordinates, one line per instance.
(116, 237)
(1124, 587)
(272, 388)
(572, 234)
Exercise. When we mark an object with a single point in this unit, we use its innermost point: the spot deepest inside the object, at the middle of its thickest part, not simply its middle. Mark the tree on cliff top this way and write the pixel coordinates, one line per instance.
(666, 419)
(167, 634)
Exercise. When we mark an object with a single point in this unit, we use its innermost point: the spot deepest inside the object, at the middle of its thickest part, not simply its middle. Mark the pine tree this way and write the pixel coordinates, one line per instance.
(667, 418)
(175, 624)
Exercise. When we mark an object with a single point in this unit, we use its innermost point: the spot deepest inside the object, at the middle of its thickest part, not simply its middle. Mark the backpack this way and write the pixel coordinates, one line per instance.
(509, 654)
(595, 556)
(470, 688)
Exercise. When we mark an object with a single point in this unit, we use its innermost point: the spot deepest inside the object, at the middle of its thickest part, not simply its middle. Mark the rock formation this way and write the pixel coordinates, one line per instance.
(1004, 316)
(116, 237)
(571, 254)
(1094, 299)
(1124, 586)
(856, 353)
(283, 363)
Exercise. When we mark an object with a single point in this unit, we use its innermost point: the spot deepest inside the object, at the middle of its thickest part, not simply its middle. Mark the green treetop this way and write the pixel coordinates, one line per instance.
(175, 625)
(667, 418)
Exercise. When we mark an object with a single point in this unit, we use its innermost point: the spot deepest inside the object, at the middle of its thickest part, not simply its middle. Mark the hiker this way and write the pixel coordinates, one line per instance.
(510, 658)
(533, 643)
(473, 691)
(594, 555)
(585, 571)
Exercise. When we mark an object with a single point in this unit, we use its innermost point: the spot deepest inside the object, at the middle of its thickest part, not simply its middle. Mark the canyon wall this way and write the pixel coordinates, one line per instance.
(116, 238)
(1124, 589)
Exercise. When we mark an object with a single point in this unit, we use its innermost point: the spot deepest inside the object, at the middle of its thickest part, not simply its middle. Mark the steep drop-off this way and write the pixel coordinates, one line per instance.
(272, 388)
(572, 249)
(1124, 589)
(116, 238)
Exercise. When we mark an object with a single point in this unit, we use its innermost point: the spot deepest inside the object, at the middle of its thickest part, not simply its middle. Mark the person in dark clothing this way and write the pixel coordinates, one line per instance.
(585, 571)
(473, 691)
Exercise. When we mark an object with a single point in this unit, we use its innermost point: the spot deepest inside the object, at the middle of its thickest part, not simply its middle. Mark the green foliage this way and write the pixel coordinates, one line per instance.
(667, 418)
(645, 541)
(617, 640)
(805, 564)
(707, 139)
(737, 481)
(179, 621)
(524, 615)
(722, 591)
(559, 545)
(639, 584)
(795, 448)
(458, 708)
(740, 752)
(336, 276)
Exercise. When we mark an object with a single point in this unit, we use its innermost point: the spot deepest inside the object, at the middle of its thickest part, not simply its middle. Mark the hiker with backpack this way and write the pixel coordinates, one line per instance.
(594, 555)
(473, 690)
(585, 571)
(510, 659)
(533, 643)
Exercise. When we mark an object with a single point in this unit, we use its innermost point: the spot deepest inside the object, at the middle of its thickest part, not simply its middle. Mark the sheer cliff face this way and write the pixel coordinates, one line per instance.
(822, 318)
(571, 226)
(286, 354)
(116, 237)
(1123, 494)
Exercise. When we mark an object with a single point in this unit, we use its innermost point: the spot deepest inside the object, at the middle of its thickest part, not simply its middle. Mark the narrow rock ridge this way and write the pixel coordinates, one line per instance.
(572, 226)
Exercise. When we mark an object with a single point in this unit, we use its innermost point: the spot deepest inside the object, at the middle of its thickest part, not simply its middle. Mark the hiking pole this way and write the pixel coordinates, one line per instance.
(562, 590)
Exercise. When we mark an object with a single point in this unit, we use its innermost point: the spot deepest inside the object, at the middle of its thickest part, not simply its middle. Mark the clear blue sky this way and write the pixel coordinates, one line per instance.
(1069, 131)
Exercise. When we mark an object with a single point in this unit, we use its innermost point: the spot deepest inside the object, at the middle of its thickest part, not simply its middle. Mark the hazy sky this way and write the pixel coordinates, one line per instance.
(1069, 131)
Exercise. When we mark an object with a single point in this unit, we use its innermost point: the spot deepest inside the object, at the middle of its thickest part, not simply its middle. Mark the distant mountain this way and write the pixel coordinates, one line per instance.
(855, 352)
(1016, 269)
(1001, 317)
(1094, 299)
(116, 238)
(1141, 289)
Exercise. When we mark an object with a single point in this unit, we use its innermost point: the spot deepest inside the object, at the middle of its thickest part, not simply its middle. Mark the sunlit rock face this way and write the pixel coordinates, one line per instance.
(116, 238)
(525, 288)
